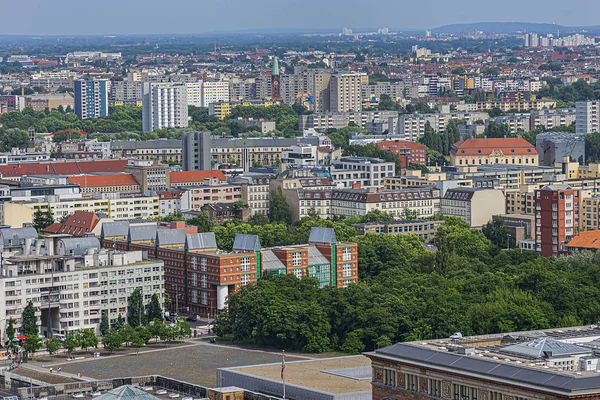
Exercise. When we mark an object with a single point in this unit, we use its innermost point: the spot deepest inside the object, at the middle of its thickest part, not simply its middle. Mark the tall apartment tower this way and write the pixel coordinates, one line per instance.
(164, 105)
(91, 98)
(345, 92)
(196, 153)
(556, 217)
(275, 83)
(587, 116)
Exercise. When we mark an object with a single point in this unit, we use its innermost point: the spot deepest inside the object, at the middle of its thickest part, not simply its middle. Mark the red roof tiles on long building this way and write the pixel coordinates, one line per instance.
(196, 176)
(508, 146)
(62, 168)
(104, 180)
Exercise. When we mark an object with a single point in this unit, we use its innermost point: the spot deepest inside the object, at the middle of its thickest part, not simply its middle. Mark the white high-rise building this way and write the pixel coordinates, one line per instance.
(345, 92)
(164, 105)
(587, 115)
(214, 92)
(194, 93)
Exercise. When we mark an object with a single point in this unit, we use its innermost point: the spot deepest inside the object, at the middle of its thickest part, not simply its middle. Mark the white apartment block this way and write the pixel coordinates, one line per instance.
(194, 93)
(424, 202)
(164, 105)
(361, 171)
(72, 292)
(214, 92)
(587, 117)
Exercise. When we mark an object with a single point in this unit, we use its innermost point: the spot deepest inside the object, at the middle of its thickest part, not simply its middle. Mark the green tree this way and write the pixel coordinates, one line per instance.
(184, 329)
(10, 329)
(127, 333)
(279, 209)
(112, 340)
(353, 343)
(72, 341)
(143, 333)
(87, 339)
(118, 323)
(156, 328)
(458, 71)
(135, 309)
(32, 344)
(29, 326)
(53, 345)
(258, 219)
(104, 324)
(137, 341)
(42, 219)
(154, 310)
(498, 233)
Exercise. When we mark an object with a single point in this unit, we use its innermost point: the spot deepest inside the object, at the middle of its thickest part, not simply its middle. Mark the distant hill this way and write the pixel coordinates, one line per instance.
(511, 27)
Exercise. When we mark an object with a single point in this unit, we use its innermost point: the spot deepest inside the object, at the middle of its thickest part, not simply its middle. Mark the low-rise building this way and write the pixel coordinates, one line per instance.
(408, 152)
(474, 206)
(361, 171)
(222, 212)
(487, 151)
(113, 183)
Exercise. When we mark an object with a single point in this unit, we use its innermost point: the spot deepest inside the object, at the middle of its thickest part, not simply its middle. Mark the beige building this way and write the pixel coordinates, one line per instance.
(590, 213)
(513, 151)
(345, 92)
(303, 202)
(475, 206)
(195, 197)
(256, 193)
(522, 201)
(113, 206)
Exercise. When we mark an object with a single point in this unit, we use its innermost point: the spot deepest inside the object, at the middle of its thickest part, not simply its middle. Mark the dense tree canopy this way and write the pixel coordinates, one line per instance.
(408, 293)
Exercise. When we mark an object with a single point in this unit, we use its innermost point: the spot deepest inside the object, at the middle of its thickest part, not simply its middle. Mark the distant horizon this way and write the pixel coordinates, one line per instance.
(154, 17)
(254, 31)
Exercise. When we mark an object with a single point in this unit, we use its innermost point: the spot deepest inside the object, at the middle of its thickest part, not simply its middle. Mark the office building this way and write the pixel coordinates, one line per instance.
(201, 276)
(91, 98)
(345, 92)
(475, 206)
(126, 93)
(556, 217)
(548, 364)
(553, 147)
(150, 175)
(196, 151)
(487, 151)
(164, 105)
(587, 117)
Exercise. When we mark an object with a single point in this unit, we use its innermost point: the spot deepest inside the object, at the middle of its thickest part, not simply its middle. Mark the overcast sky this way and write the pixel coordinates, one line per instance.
(38, 17)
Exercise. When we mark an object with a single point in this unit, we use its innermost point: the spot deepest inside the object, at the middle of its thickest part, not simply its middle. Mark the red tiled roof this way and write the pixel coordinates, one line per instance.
(586, 240)
(76, 224)
(508, 146)
(169, 195)
(104, 180)
(63, 168)
(196, 176)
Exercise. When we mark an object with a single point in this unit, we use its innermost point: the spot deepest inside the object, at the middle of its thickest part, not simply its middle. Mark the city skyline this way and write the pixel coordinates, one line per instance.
(136, 17)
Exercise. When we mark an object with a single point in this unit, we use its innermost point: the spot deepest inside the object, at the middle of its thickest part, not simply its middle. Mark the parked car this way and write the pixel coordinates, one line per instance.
(192, 318)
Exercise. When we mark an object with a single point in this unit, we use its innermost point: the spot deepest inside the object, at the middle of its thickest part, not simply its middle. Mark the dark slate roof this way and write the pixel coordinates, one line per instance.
(544, 348)
(142, 232)
(322, 235)
(127, 392)
(116, 228)
(315, 257)
(199, 241)
(170, 237)
(244, 242)
(493, 369)
(270, 261)
(79, 246)
(17, 235)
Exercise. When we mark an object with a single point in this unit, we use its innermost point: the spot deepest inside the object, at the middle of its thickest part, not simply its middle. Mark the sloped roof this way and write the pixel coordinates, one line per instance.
(17, 235)
(115, 228)
(127, 392)
(104, 180)
(63, 168)
(506, 146)
(79, 246)
(315, 257)
(245, 242)
(77, 224)
(322, 235)
(170, 237)
(196, 176)
(142, 232)
(270, 261)
(544, 348)
(586, 240)
(199, 241)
